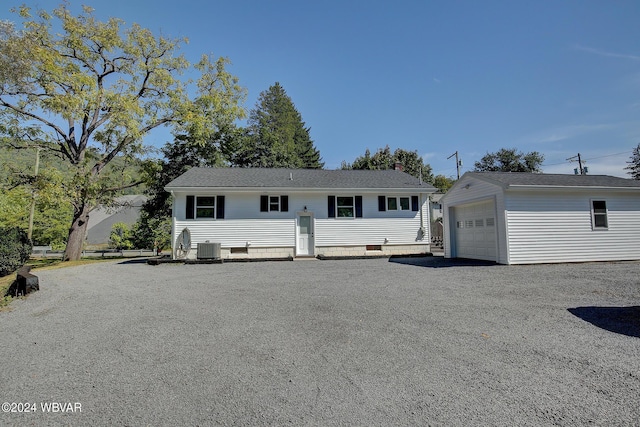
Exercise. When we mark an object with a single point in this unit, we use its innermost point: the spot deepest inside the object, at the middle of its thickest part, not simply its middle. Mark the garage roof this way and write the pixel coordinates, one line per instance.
(526, 179)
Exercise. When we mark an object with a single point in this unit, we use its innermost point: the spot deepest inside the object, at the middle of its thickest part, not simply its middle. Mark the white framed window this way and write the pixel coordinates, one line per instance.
(345, 207)
(599, 220)
(480, 222)
(404, 204)
(398, 203)
(205, 207)
(460, 224)
(490, 222)
(468, 223)
(274, 203)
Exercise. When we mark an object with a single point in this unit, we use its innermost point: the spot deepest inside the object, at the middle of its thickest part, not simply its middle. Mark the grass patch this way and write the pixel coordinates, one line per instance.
(5, 282)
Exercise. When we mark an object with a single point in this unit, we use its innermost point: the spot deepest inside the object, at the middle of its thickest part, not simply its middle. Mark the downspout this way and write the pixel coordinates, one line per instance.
(422, 230)
(173, 225)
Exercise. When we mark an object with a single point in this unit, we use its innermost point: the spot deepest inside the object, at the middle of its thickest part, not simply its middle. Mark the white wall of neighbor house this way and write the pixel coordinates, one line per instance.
(555, 226)
(244, 222)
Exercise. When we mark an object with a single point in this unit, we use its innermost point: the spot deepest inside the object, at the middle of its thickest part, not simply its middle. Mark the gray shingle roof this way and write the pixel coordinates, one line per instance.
(302, 179)
(517, 179)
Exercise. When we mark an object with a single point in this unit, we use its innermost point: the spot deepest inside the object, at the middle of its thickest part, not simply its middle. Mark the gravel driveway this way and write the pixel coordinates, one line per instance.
(358, 342)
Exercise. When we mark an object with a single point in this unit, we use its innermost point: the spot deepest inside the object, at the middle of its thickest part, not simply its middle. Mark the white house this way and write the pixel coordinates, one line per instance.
(274, 213)
(526, 218)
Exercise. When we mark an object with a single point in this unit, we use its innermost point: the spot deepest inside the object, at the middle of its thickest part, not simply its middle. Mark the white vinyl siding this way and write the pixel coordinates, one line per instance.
(557, 227)
(244, 223)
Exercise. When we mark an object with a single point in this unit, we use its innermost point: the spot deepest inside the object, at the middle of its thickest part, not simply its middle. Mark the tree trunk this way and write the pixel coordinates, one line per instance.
(77, 233)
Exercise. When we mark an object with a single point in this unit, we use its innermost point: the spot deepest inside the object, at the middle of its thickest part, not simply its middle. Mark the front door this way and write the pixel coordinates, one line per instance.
(304, 234)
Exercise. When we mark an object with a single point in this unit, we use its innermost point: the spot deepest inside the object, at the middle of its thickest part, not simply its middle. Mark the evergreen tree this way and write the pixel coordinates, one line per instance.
(276, 136)
(634, 164)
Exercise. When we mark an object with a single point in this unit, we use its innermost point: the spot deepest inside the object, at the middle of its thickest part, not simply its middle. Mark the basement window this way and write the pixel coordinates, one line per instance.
(374, 247)
(240, 250)
(599, 215)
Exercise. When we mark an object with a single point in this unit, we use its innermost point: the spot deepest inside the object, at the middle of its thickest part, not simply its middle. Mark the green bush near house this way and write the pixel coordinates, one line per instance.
(15, 249)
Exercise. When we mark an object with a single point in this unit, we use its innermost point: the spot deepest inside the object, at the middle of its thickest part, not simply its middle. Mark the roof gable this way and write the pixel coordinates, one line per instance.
(249, 178)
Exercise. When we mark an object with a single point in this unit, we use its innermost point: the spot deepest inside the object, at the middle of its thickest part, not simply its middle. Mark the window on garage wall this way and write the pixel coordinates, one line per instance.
(599, 220)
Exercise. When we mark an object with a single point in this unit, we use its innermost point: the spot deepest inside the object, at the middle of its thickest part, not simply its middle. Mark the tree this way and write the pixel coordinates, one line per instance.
(15, 249)
(19, 186)
(633, 167)
(152, 230)
(90, 91)
(443, 183)
(510, 160)
(120, 236)
(276, 136)
(411, 162)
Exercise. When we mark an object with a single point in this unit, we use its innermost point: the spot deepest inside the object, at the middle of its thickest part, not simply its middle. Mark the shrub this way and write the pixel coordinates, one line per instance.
(120, 237)
(15, 249)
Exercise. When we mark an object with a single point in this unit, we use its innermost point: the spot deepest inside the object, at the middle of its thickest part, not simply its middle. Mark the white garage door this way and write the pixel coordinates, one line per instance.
(475, 231)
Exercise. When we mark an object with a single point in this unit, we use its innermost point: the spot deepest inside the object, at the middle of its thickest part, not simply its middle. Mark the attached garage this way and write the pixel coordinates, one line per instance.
(527, 218)
(475, 231)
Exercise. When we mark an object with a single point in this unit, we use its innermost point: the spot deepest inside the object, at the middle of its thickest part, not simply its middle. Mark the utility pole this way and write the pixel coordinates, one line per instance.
(33, 196)
(458, 162)
(583, 171)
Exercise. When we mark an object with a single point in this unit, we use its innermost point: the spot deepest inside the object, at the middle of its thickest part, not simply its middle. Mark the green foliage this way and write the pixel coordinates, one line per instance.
(90, 91)
(52, 210)
(411, 162)
(152, 232)
(276, 136)
(121, 236)
(510, 160)
(15, 249)
(442, 183)
(633, 167)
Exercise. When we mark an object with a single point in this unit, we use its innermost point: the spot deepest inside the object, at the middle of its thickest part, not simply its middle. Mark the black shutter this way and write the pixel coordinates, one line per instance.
(382, 203)
(264, 203)
(414, 203)
(284, 203)
(331, 206)
(220, 207)
(358, 206)
(190, 206)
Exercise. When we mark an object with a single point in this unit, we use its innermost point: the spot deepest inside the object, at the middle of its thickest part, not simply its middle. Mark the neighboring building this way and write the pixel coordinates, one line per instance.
(269, 213)
(526, 218)
(101, 219)
(435, 206)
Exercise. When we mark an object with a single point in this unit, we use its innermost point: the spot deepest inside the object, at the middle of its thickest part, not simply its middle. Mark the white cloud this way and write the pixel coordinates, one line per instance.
(606, 53)
(567, 132)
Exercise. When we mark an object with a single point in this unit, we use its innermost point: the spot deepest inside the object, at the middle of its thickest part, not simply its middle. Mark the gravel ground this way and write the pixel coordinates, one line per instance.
(357, 342)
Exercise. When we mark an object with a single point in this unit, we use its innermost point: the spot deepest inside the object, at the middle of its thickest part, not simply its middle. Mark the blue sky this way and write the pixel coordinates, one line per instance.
(558, 77)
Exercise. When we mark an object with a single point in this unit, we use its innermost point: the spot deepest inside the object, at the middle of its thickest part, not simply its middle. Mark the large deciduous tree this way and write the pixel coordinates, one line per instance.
(91, 90)
(633, 167)
(383, 159)
(276, 136)
(510, 160)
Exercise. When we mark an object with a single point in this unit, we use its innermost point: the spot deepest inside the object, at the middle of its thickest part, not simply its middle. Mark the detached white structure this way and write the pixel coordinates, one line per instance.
(526, 218)
(275, 213)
